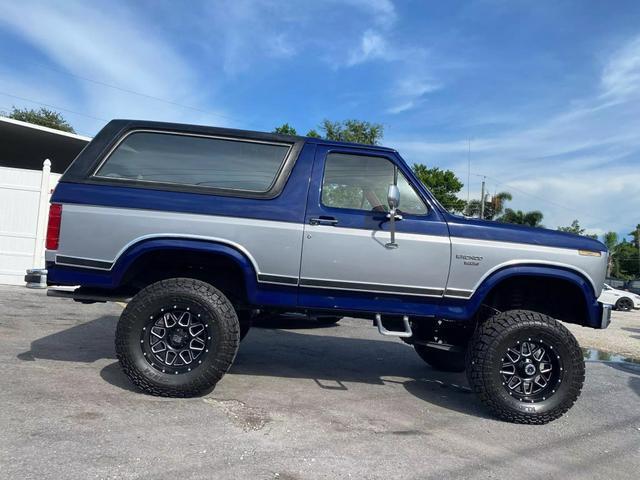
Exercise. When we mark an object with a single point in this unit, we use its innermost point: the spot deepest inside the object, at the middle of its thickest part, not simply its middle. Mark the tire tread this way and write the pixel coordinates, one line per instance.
(210, 373)
(478, 361)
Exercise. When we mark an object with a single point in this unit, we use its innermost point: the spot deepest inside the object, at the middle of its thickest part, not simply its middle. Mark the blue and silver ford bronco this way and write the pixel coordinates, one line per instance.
(201, 228)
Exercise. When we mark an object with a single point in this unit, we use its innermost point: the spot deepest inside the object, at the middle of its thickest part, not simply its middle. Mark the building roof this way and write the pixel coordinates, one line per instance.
(25, 145)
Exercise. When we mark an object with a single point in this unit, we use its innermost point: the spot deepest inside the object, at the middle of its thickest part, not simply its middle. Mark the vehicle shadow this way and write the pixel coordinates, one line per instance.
(331, 361)
(85, 343)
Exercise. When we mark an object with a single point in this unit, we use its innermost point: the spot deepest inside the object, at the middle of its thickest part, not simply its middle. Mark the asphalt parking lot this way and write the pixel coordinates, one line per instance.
(300, 402)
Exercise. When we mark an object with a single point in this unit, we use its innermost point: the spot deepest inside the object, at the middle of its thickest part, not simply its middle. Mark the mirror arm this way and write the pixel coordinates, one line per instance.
(392, 229)
(393, 198)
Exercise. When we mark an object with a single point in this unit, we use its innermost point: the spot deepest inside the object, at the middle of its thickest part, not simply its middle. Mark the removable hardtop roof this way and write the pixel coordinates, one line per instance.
(108, 137)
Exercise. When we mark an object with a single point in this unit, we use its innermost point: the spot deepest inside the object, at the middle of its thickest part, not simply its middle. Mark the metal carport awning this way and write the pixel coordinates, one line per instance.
(24, 145)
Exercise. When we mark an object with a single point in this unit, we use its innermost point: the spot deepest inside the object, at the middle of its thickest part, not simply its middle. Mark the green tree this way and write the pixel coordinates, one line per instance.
(625, 261)
(443, 184)
(492, 208)
(610, 239)
(285, 129)
(43, 117)
(313, 133)
(577, 229)
(636, 236)
(532, 219)
(355, 131)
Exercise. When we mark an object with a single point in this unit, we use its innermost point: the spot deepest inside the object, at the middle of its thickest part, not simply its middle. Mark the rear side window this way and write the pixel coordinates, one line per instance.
(194, 160)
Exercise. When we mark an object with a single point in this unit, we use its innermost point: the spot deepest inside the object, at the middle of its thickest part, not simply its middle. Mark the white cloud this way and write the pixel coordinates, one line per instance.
(408, 92)
(115, 49)
(372, 46)
(621, 76)
(580, 163)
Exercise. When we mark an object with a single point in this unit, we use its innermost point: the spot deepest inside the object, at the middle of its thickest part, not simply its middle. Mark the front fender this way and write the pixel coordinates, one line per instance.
(466, 309)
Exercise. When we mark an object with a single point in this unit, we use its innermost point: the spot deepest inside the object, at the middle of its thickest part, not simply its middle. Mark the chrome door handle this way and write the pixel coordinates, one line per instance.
(323, 221)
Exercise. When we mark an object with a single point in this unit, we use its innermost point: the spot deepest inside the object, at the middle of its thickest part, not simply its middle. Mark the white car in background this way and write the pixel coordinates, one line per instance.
(620, 299)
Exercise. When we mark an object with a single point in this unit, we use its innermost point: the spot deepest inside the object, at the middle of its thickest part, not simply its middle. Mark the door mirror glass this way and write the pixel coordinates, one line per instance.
(393, 197)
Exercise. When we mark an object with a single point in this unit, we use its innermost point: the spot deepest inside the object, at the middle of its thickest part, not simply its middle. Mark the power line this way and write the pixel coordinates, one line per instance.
(133, 92)
(545, 200)
(53, 106)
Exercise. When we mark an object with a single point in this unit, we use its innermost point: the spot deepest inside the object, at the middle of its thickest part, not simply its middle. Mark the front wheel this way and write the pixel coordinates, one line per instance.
(177, 337)
(525, 366)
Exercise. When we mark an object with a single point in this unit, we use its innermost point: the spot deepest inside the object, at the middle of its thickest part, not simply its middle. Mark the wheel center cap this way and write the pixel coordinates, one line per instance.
(178, 338)
(529, 369)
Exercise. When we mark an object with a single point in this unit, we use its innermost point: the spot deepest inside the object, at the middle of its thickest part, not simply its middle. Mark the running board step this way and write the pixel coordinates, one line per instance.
(394, 333)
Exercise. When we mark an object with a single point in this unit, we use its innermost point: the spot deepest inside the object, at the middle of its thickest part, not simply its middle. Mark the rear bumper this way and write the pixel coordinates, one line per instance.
(36, 278)
(605, 316)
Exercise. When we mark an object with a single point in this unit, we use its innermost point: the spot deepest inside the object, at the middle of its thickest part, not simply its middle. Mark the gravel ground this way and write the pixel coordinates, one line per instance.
(299, 403)
(621, 337)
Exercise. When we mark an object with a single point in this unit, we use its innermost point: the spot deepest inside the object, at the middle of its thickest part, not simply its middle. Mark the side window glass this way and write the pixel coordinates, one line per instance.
(194, 160)
(360, 182)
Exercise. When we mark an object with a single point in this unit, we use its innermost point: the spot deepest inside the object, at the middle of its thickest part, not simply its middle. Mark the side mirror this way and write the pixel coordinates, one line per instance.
(393, 197)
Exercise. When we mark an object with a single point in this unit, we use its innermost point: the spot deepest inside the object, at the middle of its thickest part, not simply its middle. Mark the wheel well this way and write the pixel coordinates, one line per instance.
(556, 297)
(219, 270)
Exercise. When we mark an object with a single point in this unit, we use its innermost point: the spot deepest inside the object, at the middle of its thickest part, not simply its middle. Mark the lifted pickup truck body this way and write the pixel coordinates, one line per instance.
(297, 224)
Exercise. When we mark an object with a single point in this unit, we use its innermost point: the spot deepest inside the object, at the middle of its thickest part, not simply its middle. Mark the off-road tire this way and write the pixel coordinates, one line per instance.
(441, 360)
(624, 304)
(484, 363)
(222, 324)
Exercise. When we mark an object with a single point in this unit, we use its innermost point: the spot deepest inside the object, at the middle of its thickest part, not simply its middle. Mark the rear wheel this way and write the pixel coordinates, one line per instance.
(442, 360)
(525, 366)
(177, 337)
(624, 304)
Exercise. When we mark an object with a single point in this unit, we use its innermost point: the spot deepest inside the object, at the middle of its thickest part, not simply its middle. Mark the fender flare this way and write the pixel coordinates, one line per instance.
(465, 309)
(136, 250)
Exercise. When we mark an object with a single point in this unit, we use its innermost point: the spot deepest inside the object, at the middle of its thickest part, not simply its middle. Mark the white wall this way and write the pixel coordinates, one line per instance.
(23, 220)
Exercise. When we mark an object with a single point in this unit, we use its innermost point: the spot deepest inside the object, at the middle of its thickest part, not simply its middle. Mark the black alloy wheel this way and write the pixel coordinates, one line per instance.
(531, 370)
(176, 339)
(526, 367)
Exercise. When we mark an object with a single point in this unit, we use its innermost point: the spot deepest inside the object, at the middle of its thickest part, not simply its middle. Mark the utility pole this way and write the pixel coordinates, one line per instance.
(469, 170)
(482, 199)
(638, 245)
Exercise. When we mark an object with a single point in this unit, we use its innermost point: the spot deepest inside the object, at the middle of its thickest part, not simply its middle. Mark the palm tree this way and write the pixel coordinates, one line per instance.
(610, 239)
(491, 209)
(498, 202)
(532, 219)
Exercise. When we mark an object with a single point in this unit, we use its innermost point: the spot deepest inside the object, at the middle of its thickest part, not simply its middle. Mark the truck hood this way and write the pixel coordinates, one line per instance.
(507, 232)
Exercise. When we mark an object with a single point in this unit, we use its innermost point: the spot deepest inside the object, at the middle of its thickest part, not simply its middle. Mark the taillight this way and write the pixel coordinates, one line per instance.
(53, 227)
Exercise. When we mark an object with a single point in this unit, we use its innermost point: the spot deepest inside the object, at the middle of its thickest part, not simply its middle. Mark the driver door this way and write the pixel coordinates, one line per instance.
(346, 262)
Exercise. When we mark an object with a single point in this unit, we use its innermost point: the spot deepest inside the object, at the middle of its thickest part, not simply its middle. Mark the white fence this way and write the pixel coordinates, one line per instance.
(24, 209)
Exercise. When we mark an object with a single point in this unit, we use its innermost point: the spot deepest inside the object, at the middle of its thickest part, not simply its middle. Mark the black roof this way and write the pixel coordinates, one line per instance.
(232, 132)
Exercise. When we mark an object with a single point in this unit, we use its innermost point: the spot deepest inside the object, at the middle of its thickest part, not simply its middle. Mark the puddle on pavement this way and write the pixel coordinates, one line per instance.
(595, 355)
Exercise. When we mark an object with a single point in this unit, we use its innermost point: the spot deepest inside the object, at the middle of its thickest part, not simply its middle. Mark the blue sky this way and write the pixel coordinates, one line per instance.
(548, 93)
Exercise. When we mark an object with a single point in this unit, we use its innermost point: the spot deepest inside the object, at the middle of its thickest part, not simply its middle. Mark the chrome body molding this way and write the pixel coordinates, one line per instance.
(458, 293)
(370, 287)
